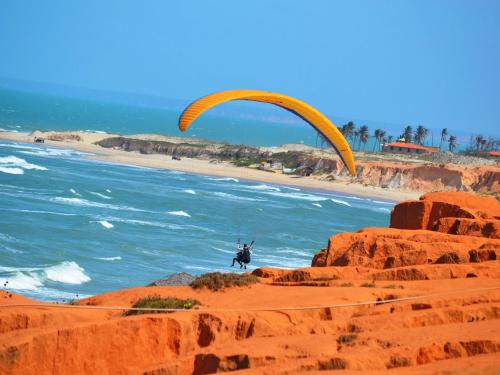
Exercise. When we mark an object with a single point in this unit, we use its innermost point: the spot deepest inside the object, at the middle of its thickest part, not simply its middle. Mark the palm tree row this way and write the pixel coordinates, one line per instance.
(479, 144)
(358, 137)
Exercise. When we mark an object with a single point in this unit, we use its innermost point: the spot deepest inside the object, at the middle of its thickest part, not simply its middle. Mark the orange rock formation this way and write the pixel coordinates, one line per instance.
(452, 328)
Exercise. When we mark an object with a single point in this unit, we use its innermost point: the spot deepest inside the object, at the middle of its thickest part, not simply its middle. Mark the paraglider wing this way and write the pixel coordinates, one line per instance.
(311, 115)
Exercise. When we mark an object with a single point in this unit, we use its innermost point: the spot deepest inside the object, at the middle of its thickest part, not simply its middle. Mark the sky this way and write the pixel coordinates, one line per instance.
(428, 62)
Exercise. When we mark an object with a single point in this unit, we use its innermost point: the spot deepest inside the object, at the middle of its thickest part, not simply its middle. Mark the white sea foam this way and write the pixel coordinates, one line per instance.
(100, 195)
(14, 165)
(86, 203)
(300, 196)
(108, 191)
(134, 222)
(106, 224)
(37, 212)
(189, 191)
(67, 272)
(21, 281)
(383, 209)
(75, 192)
(49, 152)
(96, 131)
(262, 187)
(110, 259)
(224, 179)
(383, 202)
(339, 201)
(16, 145)
(236, 197)
(11, 170)
(179, 213)
(317, 204)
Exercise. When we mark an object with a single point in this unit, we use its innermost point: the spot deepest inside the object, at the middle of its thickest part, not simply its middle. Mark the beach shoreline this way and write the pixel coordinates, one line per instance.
(206, 167)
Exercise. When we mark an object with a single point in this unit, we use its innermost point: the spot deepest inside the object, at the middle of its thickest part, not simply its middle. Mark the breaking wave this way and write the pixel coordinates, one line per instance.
(224, 179)
(261, 187)
(14, 165)
(106, 224)
(179, 213)
(100, 195)
(86, 203)
(67, 272)
(236, 197)
(339, 201)
(300, 196)
(110, 259)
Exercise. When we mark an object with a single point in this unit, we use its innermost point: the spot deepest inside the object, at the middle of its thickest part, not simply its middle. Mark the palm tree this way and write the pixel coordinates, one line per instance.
(377, 136)
(452, 143)
(444, 133)
(479, 141)
(355, 137)
(363, 135)
(389, 138)
(382, 138)
(348, 130)
(408, 134)
(420, 134)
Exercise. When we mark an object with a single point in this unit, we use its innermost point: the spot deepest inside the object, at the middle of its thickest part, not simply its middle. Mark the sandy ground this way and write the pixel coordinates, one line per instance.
(205, 167)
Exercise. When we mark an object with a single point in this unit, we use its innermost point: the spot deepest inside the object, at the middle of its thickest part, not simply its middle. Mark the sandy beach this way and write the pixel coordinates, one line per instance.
(205, 167)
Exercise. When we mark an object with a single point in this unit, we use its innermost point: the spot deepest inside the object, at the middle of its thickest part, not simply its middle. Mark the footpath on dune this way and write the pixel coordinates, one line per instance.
(444, 246)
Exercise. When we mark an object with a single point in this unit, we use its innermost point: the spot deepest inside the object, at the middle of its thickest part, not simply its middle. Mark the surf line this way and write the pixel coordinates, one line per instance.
(335, 306)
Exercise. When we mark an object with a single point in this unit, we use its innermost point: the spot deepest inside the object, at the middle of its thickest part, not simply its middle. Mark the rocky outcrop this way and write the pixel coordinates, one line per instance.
(453, 213)
(439, 228)
(175, 279)
(389, 248)
(191, 150)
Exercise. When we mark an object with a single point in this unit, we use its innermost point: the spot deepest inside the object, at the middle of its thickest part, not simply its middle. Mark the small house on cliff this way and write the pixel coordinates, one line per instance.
(408, 148)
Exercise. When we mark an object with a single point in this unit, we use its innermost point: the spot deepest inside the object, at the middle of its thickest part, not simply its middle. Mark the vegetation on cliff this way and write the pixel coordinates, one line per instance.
(217, 280)
(158, 302)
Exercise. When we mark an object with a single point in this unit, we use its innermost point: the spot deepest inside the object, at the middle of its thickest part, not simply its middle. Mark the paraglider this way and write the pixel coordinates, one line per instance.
(243, 254)
(311, 115)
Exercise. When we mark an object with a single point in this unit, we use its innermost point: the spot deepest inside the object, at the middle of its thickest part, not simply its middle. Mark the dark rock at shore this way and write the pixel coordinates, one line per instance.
(174, 279)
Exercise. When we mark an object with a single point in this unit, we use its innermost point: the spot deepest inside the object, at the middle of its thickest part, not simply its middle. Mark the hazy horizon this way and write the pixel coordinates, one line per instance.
(412, 63)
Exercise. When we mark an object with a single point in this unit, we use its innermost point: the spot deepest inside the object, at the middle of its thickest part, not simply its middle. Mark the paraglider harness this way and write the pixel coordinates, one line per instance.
(243, 256)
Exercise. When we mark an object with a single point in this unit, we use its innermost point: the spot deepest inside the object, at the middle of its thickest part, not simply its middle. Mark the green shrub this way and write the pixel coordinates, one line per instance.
(368, 285)
(346, 285)
(157, 302)
(394, 286)
(216, 280)
(347, 339)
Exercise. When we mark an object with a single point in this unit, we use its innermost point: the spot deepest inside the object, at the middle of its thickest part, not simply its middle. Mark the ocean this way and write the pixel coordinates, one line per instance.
(23, 111)
(72, 227)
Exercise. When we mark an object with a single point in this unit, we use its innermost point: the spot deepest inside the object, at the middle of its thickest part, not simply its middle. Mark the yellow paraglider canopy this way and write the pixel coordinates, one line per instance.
(311, 115)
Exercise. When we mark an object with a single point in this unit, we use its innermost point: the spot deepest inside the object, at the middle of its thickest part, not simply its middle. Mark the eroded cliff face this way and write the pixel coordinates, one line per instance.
(453, 213)
(304, 320)
(190, 150)
(439, 228)
(390, 175)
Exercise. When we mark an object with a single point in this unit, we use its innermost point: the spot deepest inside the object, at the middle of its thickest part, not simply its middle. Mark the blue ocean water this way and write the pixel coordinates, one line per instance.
(71, 226)
(23, 111)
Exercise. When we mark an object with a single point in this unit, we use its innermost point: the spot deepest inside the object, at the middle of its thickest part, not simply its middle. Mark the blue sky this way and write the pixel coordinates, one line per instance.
(434, 63)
